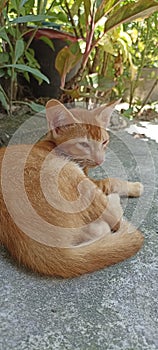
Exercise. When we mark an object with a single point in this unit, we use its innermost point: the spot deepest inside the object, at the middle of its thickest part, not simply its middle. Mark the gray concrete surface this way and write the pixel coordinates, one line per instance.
(113, 309)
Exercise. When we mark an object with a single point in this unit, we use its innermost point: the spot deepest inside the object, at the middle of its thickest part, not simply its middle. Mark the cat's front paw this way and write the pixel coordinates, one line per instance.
(136, 189)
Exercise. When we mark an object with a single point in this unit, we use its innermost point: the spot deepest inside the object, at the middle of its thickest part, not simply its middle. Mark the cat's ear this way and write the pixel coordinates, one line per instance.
(58, 115)
(104, 112)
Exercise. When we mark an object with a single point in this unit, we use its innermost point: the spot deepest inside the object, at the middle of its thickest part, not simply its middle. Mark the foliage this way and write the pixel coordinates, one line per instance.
(15, 53)
(104, 47)
(108, 47)
(144, 49)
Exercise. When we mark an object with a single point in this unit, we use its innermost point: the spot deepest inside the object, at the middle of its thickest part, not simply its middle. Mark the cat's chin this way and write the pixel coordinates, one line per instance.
(87, 166)
(93, 164)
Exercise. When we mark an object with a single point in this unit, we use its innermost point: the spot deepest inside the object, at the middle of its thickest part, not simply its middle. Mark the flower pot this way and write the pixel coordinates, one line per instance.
(46, 58)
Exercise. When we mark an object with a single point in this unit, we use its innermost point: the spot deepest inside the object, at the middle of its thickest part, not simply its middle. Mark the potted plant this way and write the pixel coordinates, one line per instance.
(88, 29)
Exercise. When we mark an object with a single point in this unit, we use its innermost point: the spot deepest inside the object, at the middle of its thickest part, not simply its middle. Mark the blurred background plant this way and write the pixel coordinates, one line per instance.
(144, 51)
(111, 48)
(115, 40)
(15, 52)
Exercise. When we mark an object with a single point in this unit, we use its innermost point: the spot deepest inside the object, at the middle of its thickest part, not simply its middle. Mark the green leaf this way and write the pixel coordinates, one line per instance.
(4, 57)
(104, 7)
(41, 6)
(65, 61)
(75, 93)
(126, 37)
(107, 45)
(36, 107)
(31, 18)
(105, 83)
(23, 2)
(75, 7)
(47, 41)
(19, 49)
(3, 98)
(96, 82)
(3, 101)
(128, 112)
(32, 62)
(2, 73)
(130, 12)
(98, 3)
(75, 48)
(28, 69)
(124, 48)
(26, 76)
(28, 6)
(4, 36)
(62, 17)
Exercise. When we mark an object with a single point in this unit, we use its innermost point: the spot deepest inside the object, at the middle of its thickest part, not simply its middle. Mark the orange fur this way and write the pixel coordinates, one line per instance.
(74, 241)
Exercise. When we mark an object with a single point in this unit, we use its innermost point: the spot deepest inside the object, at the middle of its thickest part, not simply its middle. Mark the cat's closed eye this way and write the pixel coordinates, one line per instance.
(84, 144)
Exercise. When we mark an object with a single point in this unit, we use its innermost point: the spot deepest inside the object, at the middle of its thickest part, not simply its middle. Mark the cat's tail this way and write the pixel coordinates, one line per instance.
(109, 250)
(70, 262)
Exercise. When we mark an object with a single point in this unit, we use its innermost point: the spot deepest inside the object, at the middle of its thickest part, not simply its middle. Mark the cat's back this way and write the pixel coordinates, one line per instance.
(17, 162)
(23, 155)
(38, 168)
(36, 177)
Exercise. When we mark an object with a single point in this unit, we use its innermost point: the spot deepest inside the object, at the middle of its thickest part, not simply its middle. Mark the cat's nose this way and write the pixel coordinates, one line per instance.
(98, 158)
(99, 161)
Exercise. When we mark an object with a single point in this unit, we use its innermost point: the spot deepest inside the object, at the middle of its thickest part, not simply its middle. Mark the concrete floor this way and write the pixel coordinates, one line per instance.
(113, 309)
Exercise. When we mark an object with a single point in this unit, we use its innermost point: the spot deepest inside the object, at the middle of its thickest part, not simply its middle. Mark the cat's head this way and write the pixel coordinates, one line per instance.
(79, 133)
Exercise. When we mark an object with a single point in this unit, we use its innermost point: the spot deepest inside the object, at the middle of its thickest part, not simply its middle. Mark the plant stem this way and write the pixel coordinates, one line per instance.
(51, 5)
(71, 19)
(11, 91)
(31, 38)
(89, 37)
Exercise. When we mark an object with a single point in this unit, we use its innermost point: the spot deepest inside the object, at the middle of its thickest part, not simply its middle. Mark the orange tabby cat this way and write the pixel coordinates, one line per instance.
(54, 219)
